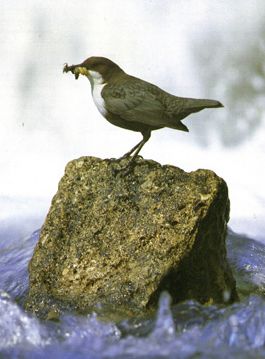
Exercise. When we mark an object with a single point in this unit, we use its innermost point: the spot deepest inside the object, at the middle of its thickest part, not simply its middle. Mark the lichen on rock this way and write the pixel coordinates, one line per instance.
(118, 240)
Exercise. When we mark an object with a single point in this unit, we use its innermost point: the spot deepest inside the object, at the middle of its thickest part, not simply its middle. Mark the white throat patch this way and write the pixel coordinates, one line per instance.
(97, 85)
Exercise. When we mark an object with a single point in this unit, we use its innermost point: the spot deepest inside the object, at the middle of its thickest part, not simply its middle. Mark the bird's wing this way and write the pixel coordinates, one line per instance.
(134, 101)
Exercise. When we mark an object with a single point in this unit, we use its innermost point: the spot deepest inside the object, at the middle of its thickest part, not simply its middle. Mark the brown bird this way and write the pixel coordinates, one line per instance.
(135, 104)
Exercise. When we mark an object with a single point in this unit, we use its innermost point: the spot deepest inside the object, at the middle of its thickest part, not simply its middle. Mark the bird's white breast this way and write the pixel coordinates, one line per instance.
(97, 87)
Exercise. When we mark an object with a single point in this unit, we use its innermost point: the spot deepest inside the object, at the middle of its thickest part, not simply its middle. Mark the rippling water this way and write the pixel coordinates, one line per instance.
(186, 330)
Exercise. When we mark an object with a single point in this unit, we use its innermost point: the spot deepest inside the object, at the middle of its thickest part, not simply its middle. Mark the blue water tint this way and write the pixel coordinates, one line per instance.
(15, 254)
(247, 258)
(186, 330)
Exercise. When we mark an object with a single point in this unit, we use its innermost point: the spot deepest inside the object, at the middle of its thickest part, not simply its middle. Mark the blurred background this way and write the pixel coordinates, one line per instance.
(208, 48)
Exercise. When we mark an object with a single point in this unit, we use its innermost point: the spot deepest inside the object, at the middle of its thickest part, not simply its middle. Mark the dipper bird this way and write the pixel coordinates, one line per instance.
(134, 104)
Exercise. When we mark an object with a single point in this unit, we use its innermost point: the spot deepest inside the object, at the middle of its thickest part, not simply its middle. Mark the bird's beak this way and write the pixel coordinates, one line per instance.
(76, 70)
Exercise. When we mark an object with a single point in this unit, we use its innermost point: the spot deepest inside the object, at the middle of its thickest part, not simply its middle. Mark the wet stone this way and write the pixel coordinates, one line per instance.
(113, 241)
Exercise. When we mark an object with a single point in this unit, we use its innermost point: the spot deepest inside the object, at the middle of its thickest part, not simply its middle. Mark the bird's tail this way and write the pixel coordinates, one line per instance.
(195, 105)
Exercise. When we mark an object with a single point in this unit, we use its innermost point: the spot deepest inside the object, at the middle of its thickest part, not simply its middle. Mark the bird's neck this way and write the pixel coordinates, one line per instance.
(95, 79)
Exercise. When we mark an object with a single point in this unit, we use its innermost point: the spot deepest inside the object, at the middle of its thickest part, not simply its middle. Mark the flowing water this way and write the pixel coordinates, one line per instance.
(209, 48)
(186, 330)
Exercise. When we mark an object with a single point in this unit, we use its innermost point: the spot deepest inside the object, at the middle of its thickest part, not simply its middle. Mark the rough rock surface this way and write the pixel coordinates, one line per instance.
(119, 240)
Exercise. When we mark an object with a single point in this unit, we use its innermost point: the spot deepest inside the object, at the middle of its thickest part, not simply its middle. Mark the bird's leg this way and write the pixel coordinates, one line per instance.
(138, 147)
(127, 154)
(128, 168)
(146, 136)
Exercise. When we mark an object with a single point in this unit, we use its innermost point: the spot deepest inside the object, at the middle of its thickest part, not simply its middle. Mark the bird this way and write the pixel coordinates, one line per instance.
(134, 104)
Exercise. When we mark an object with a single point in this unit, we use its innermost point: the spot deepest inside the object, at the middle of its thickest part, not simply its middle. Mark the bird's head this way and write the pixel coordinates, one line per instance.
(97, 69)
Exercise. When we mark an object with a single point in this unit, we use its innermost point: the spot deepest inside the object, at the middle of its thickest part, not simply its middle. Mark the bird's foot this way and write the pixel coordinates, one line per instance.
(124, 156)
(127, 156)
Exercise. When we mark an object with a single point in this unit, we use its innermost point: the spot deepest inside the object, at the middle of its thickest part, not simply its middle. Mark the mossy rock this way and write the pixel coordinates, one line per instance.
(116, 240)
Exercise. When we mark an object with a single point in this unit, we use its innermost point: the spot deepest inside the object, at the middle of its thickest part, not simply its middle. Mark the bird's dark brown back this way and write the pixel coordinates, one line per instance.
(136, 100)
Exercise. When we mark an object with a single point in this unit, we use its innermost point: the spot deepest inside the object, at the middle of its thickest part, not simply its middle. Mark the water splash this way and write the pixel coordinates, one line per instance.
(16, 327)
(185, 330)
(164, 326)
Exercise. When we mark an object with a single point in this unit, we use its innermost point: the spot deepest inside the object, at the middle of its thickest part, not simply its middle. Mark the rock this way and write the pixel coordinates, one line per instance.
(115, 241)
